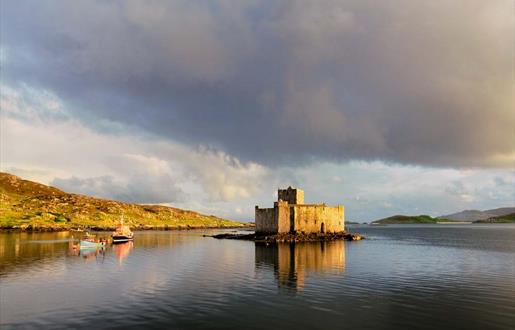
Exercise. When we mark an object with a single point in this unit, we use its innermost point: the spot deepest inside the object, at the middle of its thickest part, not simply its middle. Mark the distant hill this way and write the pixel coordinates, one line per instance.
(474, 215)
(508, 218)
(33, 206)
(406, 219)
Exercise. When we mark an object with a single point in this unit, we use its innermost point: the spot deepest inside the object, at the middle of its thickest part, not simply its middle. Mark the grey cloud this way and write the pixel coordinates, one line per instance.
(413, 82)
(499, 181)
(139, 189)
(456, 188)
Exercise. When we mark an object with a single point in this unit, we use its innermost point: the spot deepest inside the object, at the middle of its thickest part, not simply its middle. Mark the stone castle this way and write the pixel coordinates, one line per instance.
(291, 215)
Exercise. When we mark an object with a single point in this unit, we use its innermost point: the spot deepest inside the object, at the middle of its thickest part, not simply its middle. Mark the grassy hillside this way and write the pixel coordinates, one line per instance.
(33, 206)
(406, 219)
(508, 218)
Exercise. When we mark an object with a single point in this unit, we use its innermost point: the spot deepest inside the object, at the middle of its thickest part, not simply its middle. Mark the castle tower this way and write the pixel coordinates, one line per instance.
(291, 195)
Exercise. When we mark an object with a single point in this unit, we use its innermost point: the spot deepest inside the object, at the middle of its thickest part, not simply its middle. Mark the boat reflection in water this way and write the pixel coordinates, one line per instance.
(122, 250)
(74, 249)
(294, 263)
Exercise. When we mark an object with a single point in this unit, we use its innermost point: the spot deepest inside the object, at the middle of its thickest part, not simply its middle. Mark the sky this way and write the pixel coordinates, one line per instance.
(388, 107)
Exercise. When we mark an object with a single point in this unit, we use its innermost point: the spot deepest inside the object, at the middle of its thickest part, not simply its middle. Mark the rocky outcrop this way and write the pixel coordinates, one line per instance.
(292, 238)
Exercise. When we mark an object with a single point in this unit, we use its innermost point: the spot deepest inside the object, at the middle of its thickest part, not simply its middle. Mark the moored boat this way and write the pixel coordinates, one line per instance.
(89, 242)
(122, 233)
(122, 238)
(91, 245)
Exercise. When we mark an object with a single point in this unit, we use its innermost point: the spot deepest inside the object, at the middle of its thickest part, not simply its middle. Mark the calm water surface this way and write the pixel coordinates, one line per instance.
(418, 277)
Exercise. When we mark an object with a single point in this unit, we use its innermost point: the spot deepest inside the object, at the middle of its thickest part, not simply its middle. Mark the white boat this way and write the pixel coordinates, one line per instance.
(91, 245)
(89, 242)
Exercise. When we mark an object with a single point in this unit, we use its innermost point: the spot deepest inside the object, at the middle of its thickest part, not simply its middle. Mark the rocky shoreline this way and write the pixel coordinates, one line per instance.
(291, 238)
(44, 228)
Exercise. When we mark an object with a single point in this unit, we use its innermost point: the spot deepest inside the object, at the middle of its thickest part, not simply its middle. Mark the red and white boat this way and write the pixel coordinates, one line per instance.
(122, 233)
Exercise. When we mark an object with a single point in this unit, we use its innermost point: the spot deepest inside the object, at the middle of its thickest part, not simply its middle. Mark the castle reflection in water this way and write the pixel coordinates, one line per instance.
(293, 263)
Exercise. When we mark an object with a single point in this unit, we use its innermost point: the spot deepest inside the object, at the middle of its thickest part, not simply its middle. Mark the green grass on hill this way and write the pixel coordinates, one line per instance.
(29, 205)
(406, 219)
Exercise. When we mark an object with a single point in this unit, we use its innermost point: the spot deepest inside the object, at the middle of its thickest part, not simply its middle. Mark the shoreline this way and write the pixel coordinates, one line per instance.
(290, 238)
(49, 229)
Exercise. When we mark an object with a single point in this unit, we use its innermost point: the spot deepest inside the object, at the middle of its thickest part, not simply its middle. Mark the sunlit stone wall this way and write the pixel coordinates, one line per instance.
(318, 218)
(286, 216)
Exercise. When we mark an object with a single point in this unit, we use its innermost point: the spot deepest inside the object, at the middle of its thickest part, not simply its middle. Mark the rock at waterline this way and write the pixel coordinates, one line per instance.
(297, 237)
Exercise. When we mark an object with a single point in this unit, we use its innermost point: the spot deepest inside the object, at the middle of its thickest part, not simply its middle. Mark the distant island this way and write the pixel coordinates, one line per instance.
(477, 215)
(508, 218)
(27, 205)
(408, 219)
(499, 215)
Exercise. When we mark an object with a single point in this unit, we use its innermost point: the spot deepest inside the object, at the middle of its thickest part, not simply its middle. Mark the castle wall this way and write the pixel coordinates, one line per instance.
(283, 216)
(334, 218)
(266, 220)
(309, 218)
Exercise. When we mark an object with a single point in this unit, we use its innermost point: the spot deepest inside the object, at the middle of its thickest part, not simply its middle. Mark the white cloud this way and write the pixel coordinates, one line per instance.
(337, 178)
(372, 190)
(153, 165)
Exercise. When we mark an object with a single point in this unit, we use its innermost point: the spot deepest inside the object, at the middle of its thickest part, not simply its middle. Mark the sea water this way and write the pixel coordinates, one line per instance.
(410, 277)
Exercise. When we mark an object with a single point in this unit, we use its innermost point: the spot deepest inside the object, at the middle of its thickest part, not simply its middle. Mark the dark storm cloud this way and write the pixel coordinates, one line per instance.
(416, 82)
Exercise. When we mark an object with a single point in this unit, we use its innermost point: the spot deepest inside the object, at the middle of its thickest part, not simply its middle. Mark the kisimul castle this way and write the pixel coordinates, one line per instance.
(291, 215)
